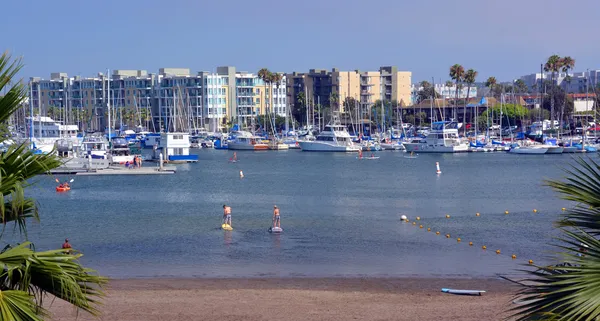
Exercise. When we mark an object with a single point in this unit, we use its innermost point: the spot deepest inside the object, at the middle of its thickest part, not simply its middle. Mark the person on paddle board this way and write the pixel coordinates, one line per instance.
(360, 153)
(226, 215)
(235, 156)
(67, 246)
(276, 217)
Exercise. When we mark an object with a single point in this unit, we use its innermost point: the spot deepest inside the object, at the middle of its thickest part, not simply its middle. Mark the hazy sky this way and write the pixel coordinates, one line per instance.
(505, 38)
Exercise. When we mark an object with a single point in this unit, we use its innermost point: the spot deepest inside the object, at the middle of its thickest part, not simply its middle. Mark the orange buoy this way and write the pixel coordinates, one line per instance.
(470, 243)
(447, 236)
(429, 229)
(437, 233)
(530, 261)
(458, 240)
(497, 251)
(514, 256)
(447, 216)
(414, 223)
(420, 226)
(484, 247)
(476, 214)
(418, 218)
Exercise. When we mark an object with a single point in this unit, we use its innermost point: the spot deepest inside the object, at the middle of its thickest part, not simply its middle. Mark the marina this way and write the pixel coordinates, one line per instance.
(350, 226)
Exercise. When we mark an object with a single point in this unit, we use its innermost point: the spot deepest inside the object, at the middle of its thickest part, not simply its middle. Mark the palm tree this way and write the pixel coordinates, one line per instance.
(567, 63)
(457, 73)
(553, 65)
(521, 86)
(490, 83)
(27, 276)
(569, 291)
(470, 76)
(265, 75)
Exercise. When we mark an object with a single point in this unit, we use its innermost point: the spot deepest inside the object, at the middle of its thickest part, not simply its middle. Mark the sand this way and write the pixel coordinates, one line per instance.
(298, 299)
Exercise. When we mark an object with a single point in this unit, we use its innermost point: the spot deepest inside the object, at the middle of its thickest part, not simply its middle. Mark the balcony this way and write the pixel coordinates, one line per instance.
(366, 93)
(366, 84)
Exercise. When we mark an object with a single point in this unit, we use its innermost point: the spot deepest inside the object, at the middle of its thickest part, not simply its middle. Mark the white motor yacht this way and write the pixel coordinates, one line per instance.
(334, 138)
(442, 138)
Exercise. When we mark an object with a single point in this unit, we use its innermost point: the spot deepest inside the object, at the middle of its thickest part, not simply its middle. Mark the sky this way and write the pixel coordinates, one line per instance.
(505, 39)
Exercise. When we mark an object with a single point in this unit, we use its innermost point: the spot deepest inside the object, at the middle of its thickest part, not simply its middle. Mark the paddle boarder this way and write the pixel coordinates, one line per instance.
(67, 246)
(235, 156)
(276, 217)
(226, 215)
(360, 153)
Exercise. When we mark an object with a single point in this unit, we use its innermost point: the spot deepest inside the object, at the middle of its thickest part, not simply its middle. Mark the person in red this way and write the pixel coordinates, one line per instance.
(67, 246)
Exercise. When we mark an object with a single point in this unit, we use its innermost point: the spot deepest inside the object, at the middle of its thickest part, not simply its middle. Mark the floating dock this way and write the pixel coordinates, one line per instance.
(116, 171)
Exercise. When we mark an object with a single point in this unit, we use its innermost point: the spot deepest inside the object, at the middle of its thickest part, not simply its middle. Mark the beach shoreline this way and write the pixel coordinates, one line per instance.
(358, 298)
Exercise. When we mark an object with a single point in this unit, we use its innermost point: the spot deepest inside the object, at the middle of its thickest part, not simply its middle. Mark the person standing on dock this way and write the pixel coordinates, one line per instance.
(66, 246)
(226, 215)
(276, 217)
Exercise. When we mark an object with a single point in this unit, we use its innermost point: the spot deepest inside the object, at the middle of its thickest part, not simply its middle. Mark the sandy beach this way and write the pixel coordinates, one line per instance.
(298, 299)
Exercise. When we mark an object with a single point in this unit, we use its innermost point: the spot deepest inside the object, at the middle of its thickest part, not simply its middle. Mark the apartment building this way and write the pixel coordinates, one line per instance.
(172, 99)
(320, 86)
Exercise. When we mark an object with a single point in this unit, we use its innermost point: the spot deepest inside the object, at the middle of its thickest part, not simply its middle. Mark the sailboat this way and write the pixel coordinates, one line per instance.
(175, 143)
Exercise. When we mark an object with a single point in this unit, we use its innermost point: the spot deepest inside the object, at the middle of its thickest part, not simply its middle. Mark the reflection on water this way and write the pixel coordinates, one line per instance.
(340, 215)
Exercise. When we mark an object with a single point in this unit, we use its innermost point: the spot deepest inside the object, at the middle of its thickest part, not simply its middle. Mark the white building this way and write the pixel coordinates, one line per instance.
(576, 84)
(449, 92)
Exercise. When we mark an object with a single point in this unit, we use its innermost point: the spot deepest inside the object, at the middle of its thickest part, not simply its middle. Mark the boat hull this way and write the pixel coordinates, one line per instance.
(555, 150)
(323, 147)
(424, 148)
(238, 146)
(528, 151)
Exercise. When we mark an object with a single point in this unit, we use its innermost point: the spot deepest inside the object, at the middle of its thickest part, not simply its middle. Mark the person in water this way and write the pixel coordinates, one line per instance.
(276, 217)
(234, 156)
(226, 215)
(66, 246)
(360, 153)
(66, 185)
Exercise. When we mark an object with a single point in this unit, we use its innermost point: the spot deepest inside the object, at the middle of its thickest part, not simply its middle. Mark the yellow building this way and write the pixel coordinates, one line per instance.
(387, 84)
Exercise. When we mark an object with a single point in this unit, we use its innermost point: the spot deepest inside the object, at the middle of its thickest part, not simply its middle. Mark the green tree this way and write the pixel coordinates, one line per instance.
(511, 113)
(569, 290)
(300, 108)
(490, 83)
(567, 63)
(470, 77)
(27, 276)
(427, 91)
(521, 87)
(457, 73)
(553, 65)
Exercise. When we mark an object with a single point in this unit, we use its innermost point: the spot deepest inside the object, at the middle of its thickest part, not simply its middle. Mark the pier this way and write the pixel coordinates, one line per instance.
(116, 170)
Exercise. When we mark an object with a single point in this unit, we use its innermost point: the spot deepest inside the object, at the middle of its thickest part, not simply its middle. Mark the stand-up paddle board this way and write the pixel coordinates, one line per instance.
(409, 156)
(275, 230)
(226, 227)
(374, 157)
(463, 292)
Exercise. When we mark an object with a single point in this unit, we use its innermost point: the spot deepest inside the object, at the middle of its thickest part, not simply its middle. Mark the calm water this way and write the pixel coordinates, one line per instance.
(341, 216)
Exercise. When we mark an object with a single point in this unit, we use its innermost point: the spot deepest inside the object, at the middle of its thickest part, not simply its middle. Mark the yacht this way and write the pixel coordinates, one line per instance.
(244, 140)
(120, 152)
(334, 138)
(442, 138)
(46, 131)
(94, 147)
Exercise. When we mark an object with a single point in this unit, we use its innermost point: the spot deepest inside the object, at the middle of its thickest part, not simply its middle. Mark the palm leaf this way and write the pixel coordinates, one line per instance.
(54, 272)
(570, 291)
(19, 306)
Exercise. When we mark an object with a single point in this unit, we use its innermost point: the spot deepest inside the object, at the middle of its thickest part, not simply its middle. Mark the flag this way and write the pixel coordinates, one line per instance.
(483, 101)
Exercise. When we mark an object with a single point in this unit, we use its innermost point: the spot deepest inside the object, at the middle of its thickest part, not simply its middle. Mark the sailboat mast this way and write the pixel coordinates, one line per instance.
(39, 110)
(108, 102)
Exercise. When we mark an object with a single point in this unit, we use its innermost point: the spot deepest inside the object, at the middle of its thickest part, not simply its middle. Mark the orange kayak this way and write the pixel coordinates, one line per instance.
(62, 189)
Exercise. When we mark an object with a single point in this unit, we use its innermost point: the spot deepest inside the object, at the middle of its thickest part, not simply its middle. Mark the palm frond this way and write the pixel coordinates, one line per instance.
(571, 290)
(17, 167)
(54, 272)
(12, 99)
(583, 187)
(19, 306)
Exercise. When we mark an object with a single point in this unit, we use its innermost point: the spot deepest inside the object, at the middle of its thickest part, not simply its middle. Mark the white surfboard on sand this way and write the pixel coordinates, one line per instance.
(463, 292)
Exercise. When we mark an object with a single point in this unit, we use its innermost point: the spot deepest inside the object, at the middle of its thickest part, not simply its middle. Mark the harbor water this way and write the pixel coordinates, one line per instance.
(340, 215)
